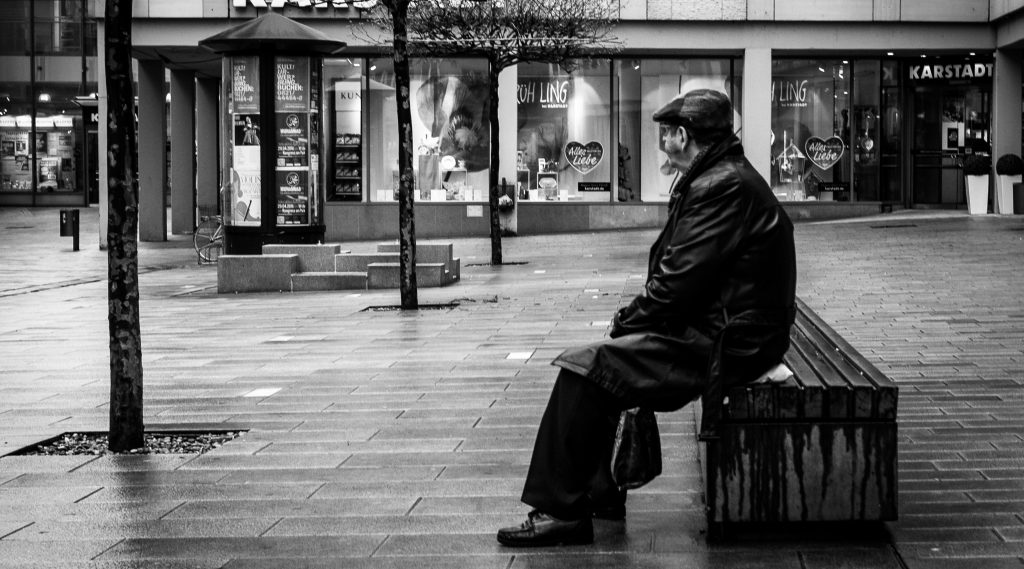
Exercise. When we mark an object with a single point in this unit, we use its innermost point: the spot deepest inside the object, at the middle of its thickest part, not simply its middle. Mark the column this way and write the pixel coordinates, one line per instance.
(101, 136)
(757, 108)
(183, 171)
(207, 147)
(1006, 118)
(508, 88)
(152, 152)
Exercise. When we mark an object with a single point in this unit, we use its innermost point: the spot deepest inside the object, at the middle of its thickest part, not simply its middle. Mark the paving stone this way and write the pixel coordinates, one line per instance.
(411, 432)
(242, 547)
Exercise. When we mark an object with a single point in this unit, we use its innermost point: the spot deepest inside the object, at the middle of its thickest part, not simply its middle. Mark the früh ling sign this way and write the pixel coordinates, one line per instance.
(339, 4)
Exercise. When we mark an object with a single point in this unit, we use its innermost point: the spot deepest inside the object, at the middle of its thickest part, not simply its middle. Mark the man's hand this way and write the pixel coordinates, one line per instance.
(617, 327)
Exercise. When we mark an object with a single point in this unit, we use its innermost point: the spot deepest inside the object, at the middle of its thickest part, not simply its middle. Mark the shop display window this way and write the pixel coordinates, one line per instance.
(811, 125)
(344, 84)
(645, 85)
(450, 130)
(563, 151)
(52, 163)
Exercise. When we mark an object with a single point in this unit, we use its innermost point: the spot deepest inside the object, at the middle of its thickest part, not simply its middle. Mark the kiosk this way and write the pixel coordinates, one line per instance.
(272, 116)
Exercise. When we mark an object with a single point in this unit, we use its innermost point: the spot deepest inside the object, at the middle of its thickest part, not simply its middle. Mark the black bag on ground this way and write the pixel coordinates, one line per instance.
(636, 456)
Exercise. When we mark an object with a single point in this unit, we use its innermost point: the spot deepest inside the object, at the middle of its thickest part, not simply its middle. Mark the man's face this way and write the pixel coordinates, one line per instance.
(674, 142)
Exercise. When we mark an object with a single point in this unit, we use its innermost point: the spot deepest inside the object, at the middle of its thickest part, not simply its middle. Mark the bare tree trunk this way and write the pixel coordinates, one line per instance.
(406, 217)
(492, 177)
(126, 425)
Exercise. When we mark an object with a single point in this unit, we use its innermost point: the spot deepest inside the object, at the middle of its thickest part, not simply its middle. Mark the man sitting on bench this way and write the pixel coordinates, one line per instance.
(719, 294)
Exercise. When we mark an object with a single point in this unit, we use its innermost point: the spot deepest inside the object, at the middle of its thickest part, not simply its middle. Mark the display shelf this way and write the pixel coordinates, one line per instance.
(348, 167)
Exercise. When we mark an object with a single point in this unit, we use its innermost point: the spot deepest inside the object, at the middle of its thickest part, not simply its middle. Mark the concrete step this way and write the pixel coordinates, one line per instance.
(317, 257)
(386, 275)
(425, 252)
(358, 261)
(329, 280)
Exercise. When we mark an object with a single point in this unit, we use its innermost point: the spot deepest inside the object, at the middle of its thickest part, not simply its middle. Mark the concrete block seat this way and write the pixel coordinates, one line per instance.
(310, 267)
(256, 273)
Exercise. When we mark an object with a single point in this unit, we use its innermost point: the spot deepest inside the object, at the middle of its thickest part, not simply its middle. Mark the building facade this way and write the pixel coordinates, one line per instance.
(48, 103)
(847, 107)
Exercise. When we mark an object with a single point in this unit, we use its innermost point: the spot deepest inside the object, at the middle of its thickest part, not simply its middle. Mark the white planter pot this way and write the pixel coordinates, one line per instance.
(1004, 193)
(977, 195)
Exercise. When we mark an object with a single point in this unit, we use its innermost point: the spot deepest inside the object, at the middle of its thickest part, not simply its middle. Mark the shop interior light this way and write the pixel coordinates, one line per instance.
(44, 97)
(373, 68)
(890, 54)
(822, 69)
(636, 64)
(972, 54)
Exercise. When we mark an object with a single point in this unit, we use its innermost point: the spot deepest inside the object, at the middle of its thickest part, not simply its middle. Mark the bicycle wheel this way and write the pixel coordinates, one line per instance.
(208, 240)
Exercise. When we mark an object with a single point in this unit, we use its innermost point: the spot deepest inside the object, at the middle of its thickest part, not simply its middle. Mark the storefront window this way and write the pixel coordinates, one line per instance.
(563, 150)
(866, 129)
(450, 131)
(810, 130)
(42, 131)
(644, 86)
(343, 81)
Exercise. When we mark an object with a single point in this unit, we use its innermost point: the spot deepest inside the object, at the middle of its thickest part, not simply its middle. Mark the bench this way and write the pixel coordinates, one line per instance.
(820, 446)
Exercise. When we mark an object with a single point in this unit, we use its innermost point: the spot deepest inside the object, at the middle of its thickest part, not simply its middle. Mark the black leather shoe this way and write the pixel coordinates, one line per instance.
(541, 529)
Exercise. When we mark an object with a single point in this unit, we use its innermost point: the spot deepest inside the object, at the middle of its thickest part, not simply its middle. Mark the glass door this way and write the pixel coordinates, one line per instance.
(949, 122)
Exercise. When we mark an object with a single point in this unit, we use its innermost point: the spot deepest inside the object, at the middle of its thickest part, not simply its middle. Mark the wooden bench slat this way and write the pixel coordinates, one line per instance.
(883, 389)
(864, 392)
(837, 391)
(812, 393)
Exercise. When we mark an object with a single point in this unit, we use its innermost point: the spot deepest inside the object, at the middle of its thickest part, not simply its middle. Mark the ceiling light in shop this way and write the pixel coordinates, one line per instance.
(890, 54)
(44, 97)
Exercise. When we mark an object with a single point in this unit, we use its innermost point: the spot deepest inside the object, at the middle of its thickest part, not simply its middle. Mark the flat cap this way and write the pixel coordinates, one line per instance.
(700, 109)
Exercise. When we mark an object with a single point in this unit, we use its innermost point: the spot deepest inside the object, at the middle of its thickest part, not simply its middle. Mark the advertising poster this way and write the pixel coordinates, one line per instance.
(6, 145)
(245, 197)
(293, 139)
(292, 84)
(247, 129)
(292, 200)
(245, 84)
(49, 168)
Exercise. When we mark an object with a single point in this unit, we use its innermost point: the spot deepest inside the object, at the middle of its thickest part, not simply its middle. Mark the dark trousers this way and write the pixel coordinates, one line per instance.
(571, 464)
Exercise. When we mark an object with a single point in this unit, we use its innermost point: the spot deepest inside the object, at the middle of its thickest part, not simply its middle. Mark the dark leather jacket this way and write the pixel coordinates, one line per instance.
(719, 293)
(726, 249)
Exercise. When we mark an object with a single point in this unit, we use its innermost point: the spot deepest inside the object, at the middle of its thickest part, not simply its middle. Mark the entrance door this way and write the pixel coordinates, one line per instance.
(948, 122)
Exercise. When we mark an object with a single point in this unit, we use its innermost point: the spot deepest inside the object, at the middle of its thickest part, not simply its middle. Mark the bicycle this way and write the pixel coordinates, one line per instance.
(208, 238)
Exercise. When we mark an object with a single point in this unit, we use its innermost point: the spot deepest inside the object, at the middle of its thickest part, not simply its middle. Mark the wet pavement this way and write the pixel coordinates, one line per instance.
(380, 438)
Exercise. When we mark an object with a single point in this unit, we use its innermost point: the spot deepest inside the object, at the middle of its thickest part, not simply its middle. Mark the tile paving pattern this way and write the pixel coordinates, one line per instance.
(394, 439)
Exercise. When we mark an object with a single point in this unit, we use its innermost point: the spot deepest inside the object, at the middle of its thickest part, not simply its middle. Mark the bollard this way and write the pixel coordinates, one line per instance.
(69, 226)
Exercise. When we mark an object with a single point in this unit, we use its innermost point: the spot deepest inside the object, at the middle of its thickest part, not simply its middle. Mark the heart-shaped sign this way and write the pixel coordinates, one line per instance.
(584, 157)
(824, 153)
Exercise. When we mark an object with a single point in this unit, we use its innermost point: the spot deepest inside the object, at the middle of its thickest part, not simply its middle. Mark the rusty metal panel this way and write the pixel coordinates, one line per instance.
(763, 472)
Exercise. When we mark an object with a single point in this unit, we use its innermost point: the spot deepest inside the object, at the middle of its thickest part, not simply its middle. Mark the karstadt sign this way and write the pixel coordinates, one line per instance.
(340, 4)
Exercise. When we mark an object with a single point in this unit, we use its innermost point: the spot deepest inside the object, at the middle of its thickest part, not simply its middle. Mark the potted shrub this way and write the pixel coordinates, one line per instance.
(1009, 167)
(977, 168)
